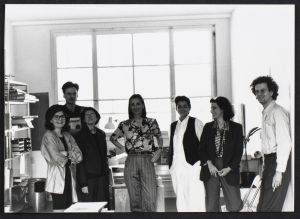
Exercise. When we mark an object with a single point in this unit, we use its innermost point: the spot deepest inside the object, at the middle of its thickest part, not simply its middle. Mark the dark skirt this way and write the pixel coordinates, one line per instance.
(63, 201)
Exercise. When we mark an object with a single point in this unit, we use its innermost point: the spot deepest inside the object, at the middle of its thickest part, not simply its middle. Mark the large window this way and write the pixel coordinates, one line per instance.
(111, 66)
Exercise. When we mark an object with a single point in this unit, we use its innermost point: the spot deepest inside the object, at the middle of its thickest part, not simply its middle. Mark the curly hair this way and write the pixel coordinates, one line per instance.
(49, 116)
(224, 105)
(272, 85)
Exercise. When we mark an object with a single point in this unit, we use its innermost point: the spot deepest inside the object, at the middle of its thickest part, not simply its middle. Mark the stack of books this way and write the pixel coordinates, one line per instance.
(15, 94)
(22, 121)
(20, 145)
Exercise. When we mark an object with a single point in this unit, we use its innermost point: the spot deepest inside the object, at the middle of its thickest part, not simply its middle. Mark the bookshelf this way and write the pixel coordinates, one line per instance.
(17, 123)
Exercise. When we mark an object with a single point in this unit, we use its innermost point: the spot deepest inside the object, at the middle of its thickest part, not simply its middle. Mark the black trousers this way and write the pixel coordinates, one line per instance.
(270, 201)
(63, 201)
(98, 189)
(232, 194)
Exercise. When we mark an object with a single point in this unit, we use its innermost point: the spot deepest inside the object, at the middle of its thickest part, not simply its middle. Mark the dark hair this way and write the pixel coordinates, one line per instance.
(49, 116)
(68, 85)
(183, 98)
(82, 115)
(138, 96)
(224, 105)
(272, 85)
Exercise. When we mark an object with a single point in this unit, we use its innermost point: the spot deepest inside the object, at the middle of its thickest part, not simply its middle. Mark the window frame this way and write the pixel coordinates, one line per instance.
(217, 25)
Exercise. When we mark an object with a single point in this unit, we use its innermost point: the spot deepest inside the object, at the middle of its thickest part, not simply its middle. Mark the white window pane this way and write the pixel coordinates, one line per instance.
(74, 51)
(160, 109)
(115, 83)
(114, 50)
(192, 46)
(193, 80)
(113, 107)
(86, 103)
(82, 76)
(152, 81)
(80, 103)
(201, 109)
(151, 48)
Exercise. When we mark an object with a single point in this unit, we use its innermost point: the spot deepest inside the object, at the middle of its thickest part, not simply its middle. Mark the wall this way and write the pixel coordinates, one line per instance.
(262, 39)
(9, 49)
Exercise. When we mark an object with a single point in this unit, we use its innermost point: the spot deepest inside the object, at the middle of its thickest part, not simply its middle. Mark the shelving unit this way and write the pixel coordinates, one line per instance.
(17, 148)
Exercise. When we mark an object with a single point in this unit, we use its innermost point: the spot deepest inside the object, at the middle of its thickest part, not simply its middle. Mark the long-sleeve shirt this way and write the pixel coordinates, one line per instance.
(275, 134)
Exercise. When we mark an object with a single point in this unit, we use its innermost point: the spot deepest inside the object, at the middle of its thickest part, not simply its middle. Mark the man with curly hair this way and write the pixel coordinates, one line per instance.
(276, 146)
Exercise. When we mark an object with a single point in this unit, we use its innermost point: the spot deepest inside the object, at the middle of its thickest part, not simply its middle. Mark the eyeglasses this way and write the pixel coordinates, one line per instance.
(59, 117)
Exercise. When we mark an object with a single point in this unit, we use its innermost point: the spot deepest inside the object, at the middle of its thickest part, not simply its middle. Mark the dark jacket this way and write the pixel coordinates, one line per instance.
(232, 151)
(190, 143)
(94, 155)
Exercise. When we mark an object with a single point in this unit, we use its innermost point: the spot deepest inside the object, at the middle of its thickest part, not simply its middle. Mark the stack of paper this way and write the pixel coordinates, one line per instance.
(86, 207)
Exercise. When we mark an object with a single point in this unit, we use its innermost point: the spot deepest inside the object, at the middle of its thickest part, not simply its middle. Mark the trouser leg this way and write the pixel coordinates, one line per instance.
(132, 181)
(148, 184)
(269, 200)
(212, 194)
(232, 196)
(179, 184)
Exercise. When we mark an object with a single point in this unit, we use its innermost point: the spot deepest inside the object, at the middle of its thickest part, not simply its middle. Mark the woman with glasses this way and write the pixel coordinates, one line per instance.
(92, 172)
(139, 173)
(61, 154)
(221, 148)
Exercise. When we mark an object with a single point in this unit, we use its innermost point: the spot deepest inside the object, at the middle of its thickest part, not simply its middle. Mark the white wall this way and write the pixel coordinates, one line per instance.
(9, 49)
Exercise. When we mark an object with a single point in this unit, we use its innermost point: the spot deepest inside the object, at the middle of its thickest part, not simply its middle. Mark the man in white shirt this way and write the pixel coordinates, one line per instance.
(276, 146)
(184, 160)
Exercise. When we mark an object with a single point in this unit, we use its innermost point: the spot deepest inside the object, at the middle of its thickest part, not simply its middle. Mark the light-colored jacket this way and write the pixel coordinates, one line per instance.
(51, 149)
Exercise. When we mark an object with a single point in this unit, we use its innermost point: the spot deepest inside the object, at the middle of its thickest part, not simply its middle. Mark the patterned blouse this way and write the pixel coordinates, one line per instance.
(138, 138)
(220, 137)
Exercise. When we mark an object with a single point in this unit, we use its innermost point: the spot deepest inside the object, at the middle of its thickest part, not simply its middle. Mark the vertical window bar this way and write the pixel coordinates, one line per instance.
(214, 86)
(172, 75)
(95, 71)
(132, 47)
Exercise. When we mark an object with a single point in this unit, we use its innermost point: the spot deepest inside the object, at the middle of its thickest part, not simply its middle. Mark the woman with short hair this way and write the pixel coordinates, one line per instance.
(61, 154)
(93, 171)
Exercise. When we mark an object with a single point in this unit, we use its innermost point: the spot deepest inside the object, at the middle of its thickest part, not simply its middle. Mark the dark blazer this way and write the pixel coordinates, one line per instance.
(232, 151)
(190, 143)
(94, 155)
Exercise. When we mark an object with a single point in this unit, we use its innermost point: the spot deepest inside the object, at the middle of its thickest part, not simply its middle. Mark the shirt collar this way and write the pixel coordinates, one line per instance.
(269, 107)
(184, 121)
(225, 127)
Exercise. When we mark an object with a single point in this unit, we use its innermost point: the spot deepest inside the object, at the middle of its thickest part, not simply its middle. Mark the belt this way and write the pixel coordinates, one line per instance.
(139, 152)
(270, 155)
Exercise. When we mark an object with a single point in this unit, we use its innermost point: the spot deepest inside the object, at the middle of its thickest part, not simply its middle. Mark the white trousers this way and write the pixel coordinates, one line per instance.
(189, 190)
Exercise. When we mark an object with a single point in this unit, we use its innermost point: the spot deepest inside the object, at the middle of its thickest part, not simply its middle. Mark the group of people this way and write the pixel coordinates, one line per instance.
(202, 158)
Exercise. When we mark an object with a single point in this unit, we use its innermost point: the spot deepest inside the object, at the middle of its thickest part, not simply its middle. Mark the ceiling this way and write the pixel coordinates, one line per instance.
(44, 12)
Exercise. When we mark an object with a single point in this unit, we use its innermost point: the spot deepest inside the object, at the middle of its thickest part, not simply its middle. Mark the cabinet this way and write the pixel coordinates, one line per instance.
(17, 148)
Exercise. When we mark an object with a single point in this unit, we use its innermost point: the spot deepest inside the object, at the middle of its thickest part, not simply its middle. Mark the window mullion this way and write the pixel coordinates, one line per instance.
(172, 75)
(95, 71)
(133, 76)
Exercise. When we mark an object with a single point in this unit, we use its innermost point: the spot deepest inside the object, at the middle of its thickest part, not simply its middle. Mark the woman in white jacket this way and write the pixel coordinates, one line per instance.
(61, 154)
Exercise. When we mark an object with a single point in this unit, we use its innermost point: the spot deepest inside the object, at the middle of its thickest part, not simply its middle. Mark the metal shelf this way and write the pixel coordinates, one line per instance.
(15, 102)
